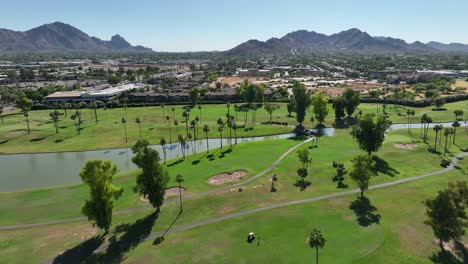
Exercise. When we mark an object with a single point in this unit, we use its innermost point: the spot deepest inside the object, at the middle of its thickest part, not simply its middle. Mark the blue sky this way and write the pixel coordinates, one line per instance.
(183, 25)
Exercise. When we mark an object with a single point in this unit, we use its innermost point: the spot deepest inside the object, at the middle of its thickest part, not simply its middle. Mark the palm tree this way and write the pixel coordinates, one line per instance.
(423, 122)
(206, 129)
(408, 114)
(1, 113)
(189, 137)
(162, 108)
(176, 124)
(446, 134)
(138, 121)
(26, 115)
(169, 125)
(199, 109)
(54, 115)
(182, 144)
(173, 113)
(77, 118)
(163, 144)
(316, 240)
(428, 121)
(455, 125)
(193, 125)
(198, 122)
(235, 127)
(186, 116)
(220, 130)
(179, 180)
(124, 122)
(437, 129)
(93, 106)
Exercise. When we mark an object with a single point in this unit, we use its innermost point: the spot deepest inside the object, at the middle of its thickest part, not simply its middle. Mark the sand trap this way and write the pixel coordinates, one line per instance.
(169, 192)
(406, 146)
(226, 177)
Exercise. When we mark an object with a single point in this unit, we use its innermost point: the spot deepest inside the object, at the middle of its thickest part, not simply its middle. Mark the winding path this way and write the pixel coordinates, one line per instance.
(193, 195)
(155, 235)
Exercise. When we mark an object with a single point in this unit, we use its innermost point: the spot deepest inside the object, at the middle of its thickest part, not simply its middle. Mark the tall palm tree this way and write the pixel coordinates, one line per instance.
(173, 113)
(199, 109)
(190, 137)
(163, 144)
(408, 114)
(428, 121)
(423, 122)
(1, 113)
(220, 130)
(179, 180)
(54, 115)
(316, 240)
(182, 144)
(446, 134)
(138, 121)
(162, 108)
(198, 122)
(235, 127)
(193, 125)
(455, 125)
(206, 129)
(437, 129)
(124, 122)
(168, 118)
(186, 116)
(176, 124)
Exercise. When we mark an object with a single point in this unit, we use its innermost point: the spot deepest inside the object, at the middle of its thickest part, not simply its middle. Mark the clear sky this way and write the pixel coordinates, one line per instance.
(183, 25)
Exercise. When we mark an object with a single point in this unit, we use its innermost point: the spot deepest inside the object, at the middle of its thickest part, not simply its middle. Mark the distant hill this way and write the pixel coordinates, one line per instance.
(352, 39)
(60, 37)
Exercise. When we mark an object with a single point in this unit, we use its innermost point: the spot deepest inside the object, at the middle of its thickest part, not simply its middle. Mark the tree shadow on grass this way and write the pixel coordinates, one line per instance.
(302, 184)
(365, 211)
(134, 234)
(445, 257)
(81, 252)
(382, 166)
(175, 162)
(161, 238)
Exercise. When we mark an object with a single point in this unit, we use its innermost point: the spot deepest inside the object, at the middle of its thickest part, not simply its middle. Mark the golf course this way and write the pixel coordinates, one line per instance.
(233, 187)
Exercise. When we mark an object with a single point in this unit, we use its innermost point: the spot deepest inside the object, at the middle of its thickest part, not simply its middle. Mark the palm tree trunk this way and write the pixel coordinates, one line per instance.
(27, 124)
(446, 141)
(126, 138)
(316, 255)
(454, 134)
(207, 144)
(221, 139)
(164, 151)
(170, 134)
(139, 127)
(435, 143)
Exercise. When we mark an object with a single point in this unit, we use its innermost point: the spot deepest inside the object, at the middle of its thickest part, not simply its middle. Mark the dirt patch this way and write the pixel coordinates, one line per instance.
(169, 192)
(226, 177)
(406, 146)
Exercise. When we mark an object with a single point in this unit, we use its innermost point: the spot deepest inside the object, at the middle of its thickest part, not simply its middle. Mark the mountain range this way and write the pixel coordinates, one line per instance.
(59, 36)
(352, 39)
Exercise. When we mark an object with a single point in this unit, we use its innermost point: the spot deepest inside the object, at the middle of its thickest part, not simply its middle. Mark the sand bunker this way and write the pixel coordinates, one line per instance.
(169, 192)
(406, 146)
(226, 177)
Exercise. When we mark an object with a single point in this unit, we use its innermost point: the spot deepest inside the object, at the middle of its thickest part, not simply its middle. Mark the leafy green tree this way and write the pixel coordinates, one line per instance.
(98, 174)
(316, 240)
(270, 108)
(443, 216)
(370, 132)
(340, 173)
(179, 180)
(291, 107)
(304, 157)
(163, 143)
(303, 101)
(124, 122)
(319, 104)
(194, 95)
(439, 102)
(339, 105)
(153, 178)
(352, 100)
(458, 114)
(54, 115)
(363, 171)
(206, 129)
(1, 113)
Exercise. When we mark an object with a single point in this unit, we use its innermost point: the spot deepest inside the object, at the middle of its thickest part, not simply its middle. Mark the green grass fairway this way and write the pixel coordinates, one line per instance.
(109, 131)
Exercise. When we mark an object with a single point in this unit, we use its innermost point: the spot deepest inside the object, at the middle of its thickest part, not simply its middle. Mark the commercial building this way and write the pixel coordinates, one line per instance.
(100, 93)
(253, 73)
